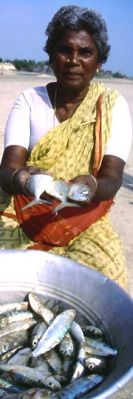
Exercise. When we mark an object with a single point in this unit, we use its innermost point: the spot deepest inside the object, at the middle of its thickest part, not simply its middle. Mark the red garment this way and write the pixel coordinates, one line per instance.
(41, 226)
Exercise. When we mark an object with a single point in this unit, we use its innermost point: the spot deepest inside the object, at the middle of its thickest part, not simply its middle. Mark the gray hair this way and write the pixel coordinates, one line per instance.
(78, 18)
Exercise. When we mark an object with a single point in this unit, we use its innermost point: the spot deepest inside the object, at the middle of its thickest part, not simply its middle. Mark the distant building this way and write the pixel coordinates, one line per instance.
(7, 66)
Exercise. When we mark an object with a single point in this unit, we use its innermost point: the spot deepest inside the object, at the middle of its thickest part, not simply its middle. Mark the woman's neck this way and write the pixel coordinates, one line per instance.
(65, 101)
(66, 96)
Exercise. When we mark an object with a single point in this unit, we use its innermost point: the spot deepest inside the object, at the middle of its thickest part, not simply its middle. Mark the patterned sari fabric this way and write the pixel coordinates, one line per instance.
(67, 151)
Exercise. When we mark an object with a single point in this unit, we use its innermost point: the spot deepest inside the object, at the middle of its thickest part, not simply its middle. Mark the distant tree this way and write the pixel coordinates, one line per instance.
(118, 75)
(25, 65)
(1, 60)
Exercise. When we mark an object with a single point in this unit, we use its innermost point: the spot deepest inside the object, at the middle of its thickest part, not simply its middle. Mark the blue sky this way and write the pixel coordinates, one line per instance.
(23, 24)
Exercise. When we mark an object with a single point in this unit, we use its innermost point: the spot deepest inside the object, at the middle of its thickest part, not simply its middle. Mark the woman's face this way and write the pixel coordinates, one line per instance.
(79, 48)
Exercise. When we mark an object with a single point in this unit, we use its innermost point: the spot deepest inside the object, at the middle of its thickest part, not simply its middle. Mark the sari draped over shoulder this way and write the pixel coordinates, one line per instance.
(73, 148)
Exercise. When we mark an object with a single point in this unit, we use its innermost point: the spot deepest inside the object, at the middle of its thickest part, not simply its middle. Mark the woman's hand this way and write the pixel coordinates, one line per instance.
(20, 177)
(13, 170)
(88, 180)
(14, 181)
(108, 181)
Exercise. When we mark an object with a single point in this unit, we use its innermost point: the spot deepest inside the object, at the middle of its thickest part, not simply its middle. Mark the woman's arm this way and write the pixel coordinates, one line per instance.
(13, 170)
(108, 181)
(109, 178)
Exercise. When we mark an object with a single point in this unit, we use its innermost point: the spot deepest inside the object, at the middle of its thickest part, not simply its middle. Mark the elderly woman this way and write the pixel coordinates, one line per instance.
(77, 130)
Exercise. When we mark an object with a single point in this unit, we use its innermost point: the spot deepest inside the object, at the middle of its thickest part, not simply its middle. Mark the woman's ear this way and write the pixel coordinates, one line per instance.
(98, 68)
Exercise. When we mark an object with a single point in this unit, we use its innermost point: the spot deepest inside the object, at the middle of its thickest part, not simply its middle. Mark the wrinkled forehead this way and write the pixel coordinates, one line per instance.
(80, 37)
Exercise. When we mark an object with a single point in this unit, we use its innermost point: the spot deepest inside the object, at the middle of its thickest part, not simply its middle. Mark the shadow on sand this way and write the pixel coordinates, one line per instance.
(127, 181)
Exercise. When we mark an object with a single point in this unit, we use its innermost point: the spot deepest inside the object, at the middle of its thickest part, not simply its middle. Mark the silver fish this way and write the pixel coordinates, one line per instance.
(39, 307)
(9, 342)
(99, 348)
(66, 347)
(77, 388)
(42, 183)
(37, 184)
(37, 333)
(5, 384)
(79, 192)
(59, 189)
(8, 355)
(93, 331)
(40, 363)
(14, 315)
(28, 376)
(77, 333)
(95, 364)
(13, 306)
(32, 393)
(79, 367)
(67, 366)
(74, 194)
(8, 386)
(52, 383)
(17, 326)
(3, 394)
(21, 357)
(55, 332)
(54, 361)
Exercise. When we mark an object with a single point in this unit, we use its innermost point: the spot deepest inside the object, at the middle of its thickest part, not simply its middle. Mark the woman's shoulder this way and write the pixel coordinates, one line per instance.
(103, 88)
(34, 96)
(35, 91)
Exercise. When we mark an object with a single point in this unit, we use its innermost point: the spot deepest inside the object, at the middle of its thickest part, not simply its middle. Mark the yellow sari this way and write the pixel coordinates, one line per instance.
(68, 151)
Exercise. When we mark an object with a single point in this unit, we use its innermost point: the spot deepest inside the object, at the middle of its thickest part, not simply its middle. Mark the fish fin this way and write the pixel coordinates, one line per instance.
(48, 202)
(64, 205)
(36, 202)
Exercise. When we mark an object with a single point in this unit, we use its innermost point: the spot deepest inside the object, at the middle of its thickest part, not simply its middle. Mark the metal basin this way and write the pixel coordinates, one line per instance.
(93, 295)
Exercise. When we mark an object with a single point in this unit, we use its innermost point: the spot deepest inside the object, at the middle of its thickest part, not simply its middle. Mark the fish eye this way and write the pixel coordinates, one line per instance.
(91, 366)
(51, 384)
(34, 343)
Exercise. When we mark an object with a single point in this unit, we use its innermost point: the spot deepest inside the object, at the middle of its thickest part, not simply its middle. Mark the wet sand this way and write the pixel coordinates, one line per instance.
(11, 85)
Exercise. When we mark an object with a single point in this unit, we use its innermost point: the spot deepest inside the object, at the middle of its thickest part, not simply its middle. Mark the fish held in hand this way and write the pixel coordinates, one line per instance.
(41, 183)
(65, 192)
(37, 184)
(79, 192)
(75, 195)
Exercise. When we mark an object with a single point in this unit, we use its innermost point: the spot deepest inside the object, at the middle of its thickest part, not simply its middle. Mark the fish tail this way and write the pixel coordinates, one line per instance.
(36, 202)
(64, 205)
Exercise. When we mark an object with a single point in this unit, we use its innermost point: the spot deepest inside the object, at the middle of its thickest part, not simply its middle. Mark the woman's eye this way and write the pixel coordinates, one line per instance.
(86, 53)
(63, 49)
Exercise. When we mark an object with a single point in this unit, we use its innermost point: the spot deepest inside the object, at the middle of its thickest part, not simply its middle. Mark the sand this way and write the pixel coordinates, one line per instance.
(11, 85)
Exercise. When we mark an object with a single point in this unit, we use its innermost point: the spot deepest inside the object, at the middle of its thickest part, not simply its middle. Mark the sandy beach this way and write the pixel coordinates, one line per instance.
(11, 85)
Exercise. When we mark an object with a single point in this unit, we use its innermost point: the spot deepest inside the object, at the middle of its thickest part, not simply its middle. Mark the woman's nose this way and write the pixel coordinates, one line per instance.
(74, 57)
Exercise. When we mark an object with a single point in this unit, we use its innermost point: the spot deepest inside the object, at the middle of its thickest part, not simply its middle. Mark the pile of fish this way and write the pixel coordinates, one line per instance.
(65, 192)
(44, 352)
